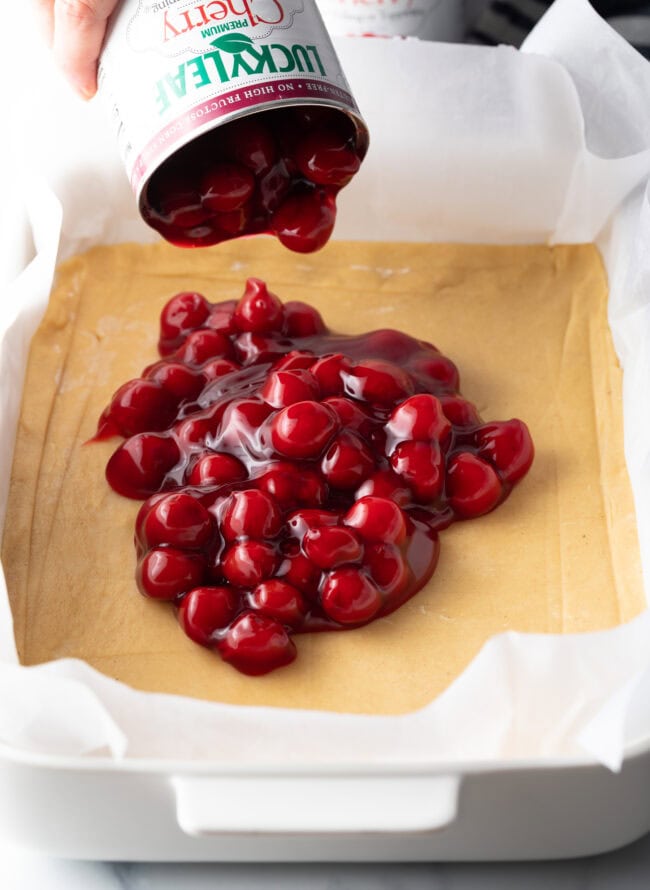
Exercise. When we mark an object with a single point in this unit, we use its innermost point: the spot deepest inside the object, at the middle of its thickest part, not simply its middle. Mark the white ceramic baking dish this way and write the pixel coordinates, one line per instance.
(182, 811)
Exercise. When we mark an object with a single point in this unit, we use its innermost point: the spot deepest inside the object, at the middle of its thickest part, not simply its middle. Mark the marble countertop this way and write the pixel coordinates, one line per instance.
(626, 869)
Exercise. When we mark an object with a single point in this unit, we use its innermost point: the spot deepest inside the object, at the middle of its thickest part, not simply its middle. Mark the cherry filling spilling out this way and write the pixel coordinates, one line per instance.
(276, 172)
(295, 480)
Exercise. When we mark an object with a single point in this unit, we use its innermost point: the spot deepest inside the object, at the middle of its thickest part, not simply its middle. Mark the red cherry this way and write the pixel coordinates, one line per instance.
(300, 572)
(392, 346)
(199, 428)
(183, 313)
(459, 411)
(379, 382)
(205, 610)
(280, 482)
(508, 446)
(329, 372)
(290, 484)
(329, 547)
(177, 519)
(165, 574)
(248, 141)
(421, 466)
(203, 235)
(473, 486)
(386, 484)
(310, 489)
(377, 519)
(302, 320)
(241, 423)
(226, 187)
(141, 405)
(218, 367)
(438, 371)
(235, 222)
(387, 569)
(178, 202)
(279, 600)
(350, 597)
(139, 466)
(419, 417)
(252, 514)
(179, 380)
(303, 429)
(304, 223)
(216, 469)
(259, 311)
(248, 563)
(255, 349)
(351, 415)
(300, 521)
(221, 318)
(144, 511)
(326, 158)
(203, 345)
(255, 645)
(283, 388)
(273, 186)
(295, 360)
(347, 461)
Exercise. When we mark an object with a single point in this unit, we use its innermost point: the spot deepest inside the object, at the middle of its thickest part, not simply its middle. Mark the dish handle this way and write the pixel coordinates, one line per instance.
(315, 803)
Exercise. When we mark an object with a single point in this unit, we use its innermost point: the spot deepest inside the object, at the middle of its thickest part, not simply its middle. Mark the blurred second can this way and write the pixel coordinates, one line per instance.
(426, 19)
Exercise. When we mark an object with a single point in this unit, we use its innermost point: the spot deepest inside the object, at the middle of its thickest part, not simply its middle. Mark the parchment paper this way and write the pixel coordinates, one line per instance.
(508, 148)
(528, 327)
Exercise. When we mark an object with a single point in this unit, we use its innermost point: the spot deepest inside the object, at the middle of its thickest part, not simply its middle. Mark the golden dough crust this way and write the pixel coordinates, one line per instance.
(528, 329)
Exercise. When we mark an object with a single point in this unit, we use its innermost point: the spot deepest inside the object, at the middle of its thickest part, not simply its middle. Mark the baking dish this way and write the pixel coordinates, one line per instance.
(552, 803)
(175, 811)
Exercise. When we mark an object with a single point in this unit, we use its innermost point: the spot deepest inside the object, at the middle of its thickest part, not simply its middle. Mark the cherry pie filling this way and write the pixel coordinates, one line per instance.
(295, 480)
(276, 172)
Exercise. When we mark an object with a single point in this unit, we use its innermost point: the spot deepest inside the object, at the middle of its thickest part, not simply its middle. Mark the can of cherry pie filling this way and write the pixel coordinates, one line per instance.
(232, 117)
(426, 19)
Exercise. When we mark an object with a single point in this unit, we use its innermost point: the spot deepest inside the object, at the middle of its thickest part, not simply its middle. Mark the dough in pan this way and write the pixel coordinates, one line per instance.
(527, 327)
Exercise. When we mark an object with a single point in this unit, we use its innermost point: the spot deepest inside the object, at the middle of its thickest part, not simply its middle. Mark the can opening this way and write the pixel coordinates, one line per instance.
(276, 171)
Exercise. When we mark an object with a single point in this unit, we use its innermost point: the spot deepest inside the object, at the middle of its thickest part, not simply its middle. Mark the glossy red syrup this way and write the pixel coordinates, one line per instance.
(276, 172)
(295, 480)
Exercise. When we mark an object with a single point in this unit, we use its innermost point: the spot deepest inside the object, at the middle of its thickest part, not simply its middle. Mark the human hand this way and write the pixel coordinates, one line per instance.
(75, 30)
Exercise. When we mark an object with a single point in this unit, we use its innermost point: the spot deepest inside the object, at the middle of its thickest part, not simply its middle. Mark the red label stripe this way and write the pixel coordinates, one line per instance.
(228, 105)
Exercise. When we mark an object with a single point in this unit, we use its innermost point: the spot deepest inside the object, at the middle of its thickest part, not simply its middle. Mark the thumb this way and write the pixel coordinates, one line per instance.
(79, 29)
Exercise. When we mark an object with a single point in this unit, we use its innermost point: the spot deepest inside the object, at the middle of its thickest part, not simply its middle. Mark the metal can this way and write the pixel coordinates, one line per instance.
(175, 70)
(426, 19)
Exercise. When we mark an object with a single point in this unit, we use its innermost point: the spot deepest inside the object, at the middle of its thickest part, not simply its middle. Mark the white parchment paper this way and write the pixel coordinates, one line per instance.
(551, 144)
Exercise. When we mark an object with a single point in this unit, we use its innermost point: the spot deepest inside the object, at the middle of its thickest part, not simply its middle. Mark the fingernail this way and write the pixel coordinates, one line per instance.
(85, 91)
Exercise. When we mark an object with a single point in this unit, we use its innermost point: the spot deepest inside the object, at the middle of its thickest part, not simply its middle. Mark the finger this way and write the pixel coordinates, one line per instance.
(44, 11)
(79, 29)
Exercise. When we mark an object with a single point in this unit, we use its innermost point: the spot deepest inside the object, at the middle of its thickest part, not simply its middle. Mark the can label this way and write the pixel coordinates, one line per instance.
(428, 19)
(174, 69)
